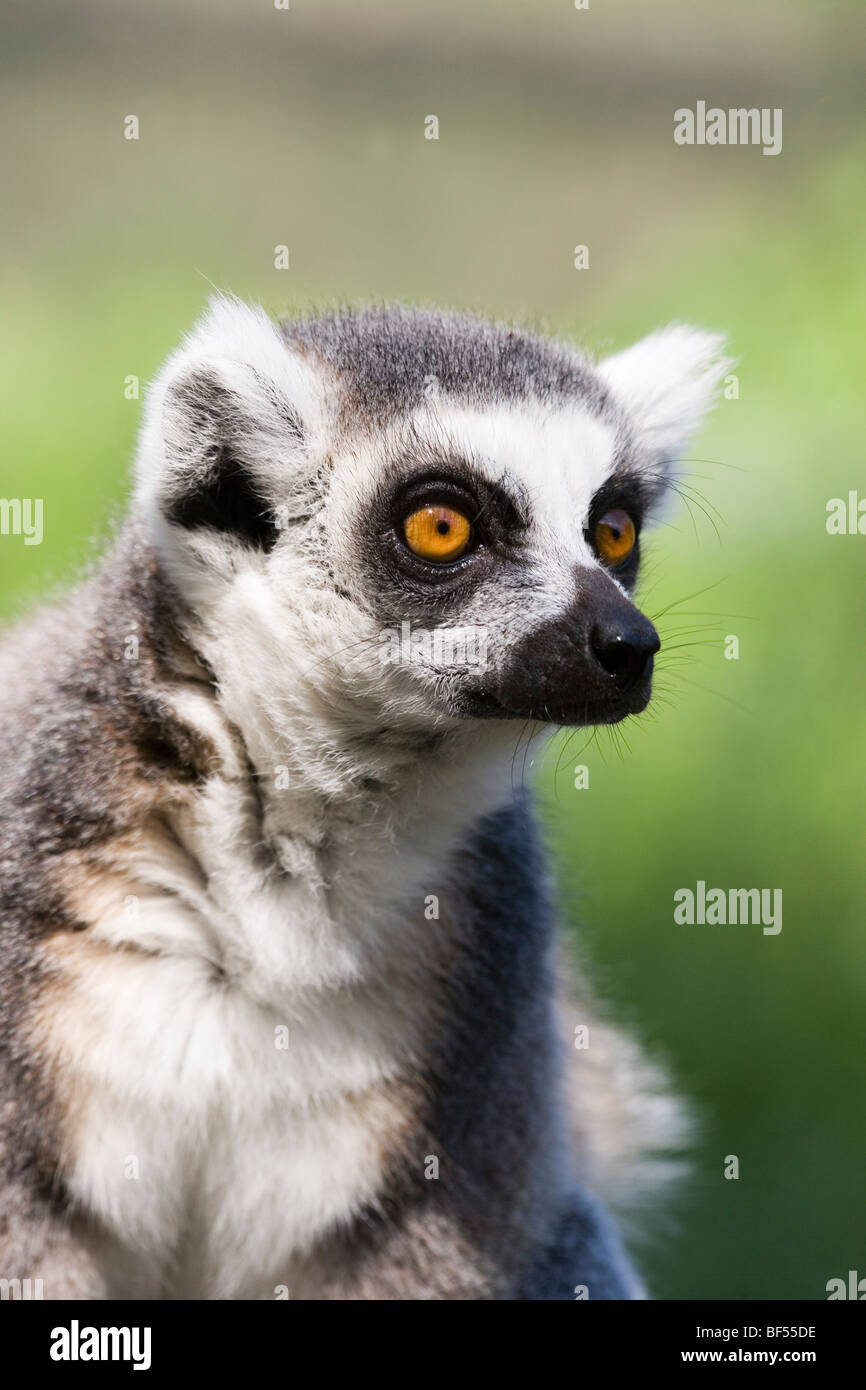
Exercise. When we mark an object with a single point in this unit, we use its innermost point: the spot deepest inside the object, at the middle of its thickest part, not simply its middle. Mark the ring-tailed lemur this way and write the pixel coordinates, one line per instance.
(275, 936)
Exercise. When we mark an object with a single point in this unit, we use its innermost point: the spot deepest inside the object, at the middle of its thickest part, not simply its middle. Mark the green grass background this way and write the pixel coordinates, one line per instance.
(305, 127)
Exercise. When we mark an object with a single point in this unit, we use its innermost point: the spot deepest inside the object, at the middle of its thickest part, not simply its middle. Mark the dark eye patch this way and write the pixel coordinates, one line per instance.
(495, 510)
(619, 494)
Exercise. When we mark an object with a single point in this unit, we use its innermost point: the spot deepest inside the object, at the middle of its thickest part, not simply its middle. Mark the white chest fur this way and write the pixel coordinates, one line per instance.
(217, 1137)
(231, 1037)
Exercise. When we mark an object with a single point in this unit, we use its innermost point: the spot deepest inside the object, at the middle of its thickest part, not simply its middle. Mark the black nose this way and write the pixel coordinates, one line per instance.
(624, 650)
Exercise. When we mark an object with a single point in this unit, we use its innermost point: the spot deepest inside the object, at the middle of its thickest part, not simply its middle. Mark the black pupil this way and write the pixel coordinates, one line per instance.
(443, 527)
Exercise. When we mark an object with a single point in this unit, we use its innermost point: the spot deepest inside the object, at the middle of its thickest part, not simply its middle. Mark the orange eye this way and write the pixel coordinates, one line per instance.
(615, 537)
(437, 533)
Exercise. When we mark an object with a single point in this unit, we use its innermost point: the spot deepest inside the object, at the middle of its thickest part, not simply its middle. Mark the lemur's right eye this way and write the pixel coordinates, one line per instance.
(614, 537)
(437, 533)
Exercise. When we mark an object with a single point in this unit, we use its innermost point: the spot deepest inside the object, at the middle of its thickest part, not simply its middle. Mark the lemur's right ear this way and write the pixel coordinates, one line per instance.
(225, 428)
(666, 384)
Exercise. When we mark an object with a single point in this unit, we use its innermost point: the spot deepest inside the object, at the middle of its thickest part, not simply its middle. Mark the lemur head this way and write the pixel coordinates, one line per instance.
(391, 519)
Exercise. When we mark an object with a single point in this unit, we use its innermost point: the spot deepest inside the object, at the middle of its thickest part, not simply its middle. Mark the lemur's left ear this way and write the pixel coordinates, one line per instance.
(225, 429)
(666, 383)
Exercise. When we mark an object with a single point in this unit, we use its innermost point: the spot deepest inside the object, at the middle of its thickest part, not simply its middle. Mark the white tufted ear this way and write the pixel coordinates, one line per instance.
(666, 384)
(226, 421)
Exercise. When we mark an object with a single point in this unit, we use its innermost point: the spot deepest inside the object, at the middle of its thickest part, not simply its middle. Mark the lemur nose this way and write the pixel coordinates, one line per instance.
(625, 650)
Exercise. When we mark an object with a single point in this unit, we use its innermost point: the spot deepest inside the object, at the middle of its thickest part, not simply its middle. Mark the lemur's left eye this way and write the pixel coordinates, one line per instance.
(437, 533)
(614, 537)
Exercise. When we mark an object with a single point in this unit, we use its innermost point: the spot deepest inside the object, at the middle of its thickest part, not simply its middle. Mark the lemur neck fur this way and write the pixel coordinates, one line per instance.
(320, 830)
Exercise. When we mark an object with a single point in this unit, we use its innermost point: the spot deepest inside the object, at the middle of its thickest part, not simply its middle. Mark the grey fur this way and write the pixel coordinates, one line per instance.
(390, 355)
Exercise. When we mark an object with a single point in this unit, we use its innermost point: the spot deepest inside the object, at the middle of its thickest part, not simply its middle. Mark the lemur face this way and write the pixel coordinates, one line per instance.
(398, 519)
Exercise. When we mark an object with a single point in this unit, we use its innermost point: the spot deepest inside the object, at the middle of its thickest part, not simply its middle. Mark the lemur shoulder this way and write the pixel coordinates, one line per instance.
(237, 1052)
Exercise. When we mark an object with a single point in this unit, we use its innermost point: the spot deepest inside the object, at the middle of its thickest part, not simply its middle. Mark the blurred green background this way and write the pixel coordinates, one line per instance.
(305, 127)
